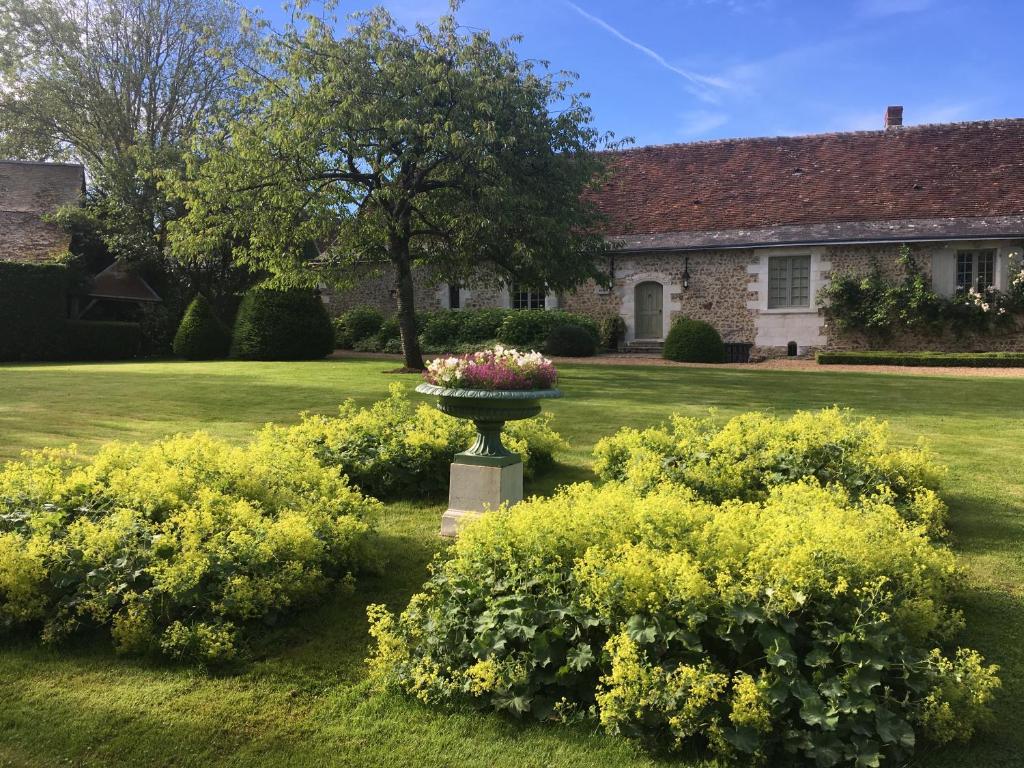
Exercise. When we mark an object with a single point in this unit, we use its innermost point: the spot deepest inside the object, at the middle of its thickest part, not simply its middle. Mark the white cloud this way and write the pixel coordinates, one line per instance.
(704, 86)
(700, 122)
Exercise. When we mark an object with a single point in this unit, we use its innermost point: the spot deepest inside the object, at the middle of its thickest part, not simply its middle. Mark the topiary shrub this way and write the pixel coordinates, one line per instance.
(183, 548)
(448, 329)
(570, 341)
(102, 340)
(612, 330)
(693, 341)
(529, 329)
(751, 454)
(282, 325)
(355, 325)
(201, 335)
(797, 630)
(389, 330)
(395, 449)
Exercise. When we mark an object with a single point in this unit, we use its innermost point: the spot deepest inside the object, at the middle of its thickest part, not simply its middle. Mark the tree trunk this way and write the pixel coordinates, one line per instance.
(406, 304)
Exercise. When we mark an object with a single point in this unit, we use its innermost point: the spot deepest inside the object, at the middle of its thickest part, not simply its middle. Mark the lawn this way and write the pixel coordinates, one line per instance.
(303, 700)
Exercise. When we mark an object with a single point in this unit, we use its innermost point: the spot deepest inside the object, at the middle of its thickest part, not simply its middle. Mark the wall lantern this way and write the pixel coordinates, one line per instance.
(686, 273)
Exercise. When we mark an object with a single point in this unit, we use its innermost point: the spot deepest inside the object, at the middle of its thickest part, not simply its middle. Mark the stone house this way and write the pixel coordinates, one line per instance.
(744, 233)
(28, 191)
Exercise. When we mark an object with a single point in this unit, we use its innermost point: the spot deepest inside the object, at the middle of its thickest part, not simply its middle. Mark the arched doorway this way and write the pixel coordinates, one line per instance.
(648, 310)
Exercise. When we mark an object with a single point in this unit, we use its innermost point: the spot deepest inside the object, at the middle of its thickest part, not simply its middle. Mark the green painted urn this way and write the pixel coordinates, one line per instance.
(488, 410)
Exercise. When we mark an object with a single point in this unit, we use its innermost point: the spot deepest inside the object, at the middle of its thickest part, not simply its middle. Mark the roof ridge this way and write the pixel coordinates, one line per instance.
(895, 131)
(53, 163)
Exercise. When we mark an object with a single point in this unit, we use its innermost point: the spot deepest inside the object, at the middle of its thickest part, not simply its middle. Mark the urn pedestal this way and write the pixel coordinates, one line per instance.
(487, 474)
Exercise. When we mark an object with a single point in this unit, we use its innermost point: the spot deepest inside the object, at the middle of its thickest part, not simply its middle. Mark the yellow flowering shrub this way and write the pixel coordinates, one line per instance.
(803, 626)
(180, 547)
(754, 452)
(395, 449)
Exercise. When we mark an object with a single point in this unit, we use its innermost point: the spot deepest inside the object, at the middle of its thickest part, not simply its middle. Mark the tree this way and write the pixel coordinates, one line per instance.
(119, 85)
(437, 148)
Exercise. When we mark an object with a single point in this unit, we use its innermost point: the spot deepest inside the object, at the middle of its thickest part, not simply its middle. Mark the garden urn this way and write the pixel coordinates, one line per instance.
(487, 474)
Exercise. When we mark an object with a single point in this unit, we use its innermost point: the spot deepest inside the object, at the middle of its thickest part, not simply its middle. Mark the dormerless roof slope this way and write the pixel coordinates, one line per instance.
(931, 180)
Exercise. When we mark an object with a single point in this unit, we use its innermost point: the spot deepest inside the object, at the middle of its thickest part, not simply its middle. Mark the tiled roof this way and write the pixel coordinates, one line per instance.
(961, 170)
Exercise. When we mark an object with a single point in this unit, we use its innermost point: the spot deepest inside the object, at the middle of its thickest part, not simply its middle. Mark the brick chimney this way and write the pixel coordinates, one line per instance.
(893, 117)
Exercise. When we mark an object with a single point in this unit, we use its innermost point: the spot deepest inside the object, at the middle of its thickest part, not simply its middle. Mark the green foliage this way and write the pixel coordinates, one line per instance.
(446, 330)
(529, 329)
(395, 449)
(881, 307)
(355, 325)
(612, 330)
(436, 146)
(802, 628)
(957, 359)
(201, 335)
(753, 453)
(33, 307)
(102, 340)
(282, 325)
(693, 341)
(180, 548)
(570, 341)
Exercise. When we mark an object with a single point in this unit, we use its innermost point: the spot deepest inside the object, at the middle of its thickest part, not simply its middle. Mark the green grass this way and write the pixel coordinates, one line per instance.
(303, 700)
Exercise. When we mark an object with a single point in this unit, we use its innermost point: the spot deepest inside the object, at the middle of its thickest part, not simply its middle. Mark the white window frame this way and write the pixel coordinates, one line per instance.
(536, 298)
(975, 254)
(787, 303)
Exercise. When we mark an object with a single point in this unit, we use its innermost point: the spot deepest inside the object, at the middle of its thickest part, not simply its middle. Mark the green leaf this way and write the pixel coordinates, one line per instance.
(745, 739)
(580, 657)
(818, 657)
(640, 631)
(893, 729)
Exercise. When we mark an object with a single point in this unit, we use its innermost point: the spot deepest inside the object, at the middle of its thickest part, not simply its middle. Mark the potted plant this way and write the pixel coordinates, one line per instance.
(488, 388)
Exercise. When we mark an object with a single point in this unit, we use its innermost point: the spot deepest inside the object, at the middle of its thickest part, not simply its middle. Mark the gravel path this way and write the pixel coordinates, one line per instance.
(782, 364)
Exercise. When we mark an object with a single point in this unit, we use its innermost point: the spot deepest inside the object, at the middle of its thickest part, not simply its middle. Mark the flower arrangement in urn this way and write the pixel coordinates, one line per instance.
(497, 369)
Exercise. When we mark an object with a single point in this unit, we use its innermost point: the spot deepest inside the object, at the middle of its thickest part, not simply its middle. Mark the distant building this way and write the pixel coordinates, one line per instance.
(744, 233)
(28, 191)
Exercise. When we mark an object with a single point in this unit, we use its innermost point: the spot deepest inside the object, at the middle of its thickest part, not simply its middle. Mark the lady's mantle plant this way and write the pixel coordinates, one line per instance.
(801, 629)
(500, 368)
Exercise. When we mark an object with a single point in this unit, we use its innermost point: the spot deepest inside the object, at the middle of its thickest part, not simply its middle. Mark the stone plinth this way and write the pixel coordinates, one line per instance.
(475, 489)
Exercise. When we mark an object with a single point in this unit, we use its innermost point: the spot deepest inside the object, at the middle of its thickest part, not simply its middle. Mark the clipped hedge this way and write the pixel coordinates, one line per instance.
(102, 340)
(395, 449)
(182, 548)
(529, 329)
(924, 359)
(355, 325)
(282, 325)
(612, 331)
(33, 308)
(201, 335)
(448, 329)
(753, 453)
(800, 629)
(693, 341)
(570, 341)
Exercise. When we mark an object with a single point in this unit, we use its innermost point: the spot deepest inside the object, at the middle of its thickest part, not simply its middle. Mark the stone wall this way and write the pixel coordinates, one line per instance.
(930, 258)
(726, 288)
(27, 192)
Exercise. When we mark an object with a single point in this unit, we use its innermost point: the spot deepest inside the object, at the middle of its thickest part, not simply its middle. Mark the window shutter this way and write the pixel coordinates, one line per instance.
(944, 273)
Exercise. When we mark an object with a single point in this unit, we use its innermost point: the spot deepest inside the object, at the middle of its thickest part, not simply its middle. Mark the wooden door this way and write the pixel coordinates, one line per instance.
(648, 303)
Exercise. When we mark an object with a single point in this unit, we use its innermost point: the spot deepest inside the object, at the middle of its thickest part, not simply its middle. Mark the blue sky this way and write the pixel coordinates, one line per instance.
(685, 70)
